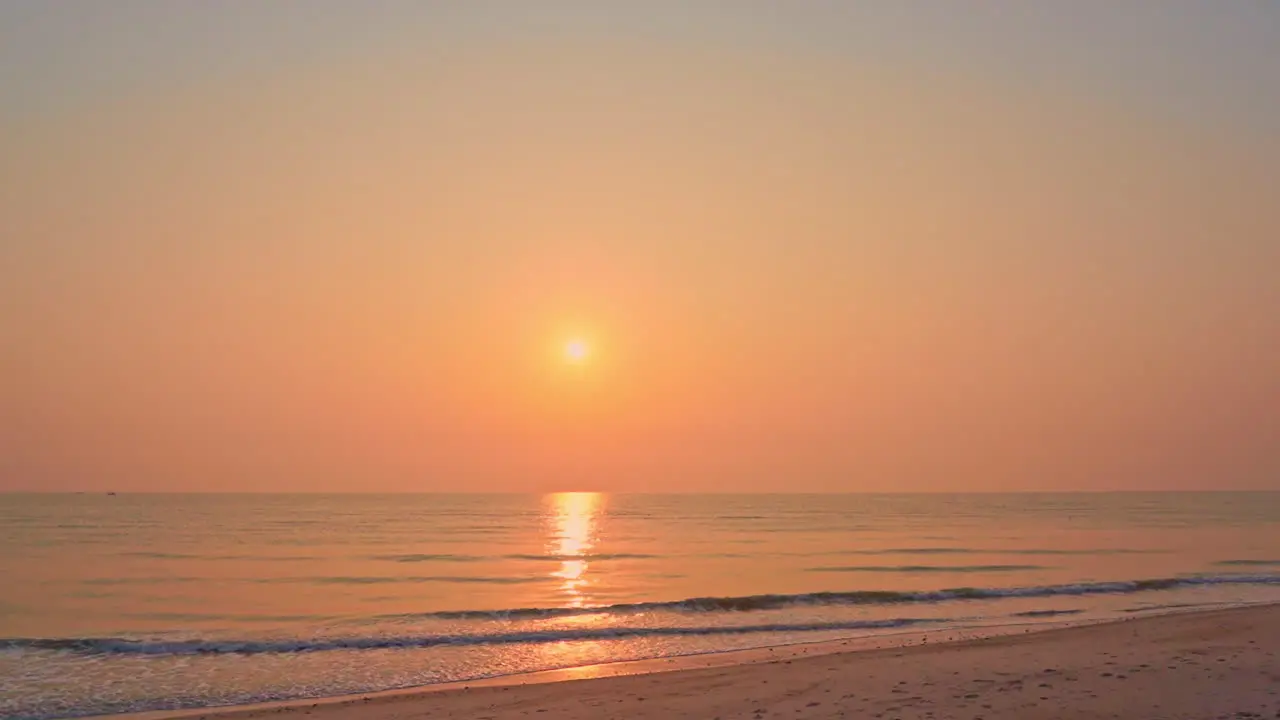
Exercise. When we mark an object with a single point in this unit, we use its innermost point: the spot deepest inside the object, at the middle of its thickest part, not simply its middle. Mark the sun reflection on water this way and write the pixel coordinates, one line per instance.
(575, 516)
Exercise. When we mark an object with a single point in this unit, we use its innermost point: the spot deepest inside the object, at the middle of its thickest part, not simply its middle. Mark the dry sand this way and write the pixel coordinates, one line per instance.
(1211, 664)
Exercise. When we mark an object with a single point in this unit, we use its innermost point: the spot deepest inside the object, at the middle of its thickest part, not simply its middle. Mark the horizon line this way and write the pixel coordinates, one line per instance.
(670, 493)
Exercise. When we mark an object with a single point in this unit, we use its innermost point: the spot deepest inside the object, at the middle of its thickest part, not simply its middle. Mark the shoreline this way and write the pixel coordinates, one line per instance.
(678, 669)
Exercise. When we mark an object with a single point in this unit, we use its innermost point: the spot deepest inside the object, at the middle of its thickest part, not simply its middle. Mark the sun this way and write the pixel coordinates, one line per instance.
(576, 351)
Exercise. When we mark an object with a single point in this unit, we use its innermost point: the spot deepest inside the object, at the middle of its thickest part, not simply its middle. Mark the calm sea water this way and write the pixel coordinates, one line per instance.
(138, 602)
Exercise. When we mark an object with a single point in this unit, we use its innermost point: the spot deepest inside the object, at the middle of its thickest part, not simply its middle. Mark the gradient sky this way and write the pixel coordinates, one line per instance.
(828, 246)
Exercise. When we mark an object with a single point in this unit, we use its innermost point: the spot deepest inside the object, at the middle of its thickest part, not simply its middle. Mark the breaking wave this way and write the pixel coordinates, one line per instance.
(126, 646)
(748, 603)
(742, 604)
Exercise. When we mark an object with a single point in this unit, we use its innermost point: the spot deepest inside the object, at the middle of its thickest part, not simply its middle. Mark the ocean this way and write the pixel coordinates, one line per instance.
(120, 603)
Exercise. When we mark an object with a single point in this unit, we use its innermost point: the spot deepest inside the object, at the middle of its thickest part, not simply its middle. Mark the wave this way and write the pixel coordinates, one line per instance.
(749, 603)
(460, 558)
(152, 580)
(217, 617)
(1046, 613)
(587, 556)
(195, 556)
(427, 557)
(990, 551)
(1248, 563)
(126, 646)
(398, 579)
(926, 568)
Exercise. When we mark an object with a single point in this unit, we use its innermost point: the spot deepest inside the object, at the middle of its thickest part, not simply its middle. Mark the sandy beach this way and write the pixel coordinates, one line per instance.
(1208, 664)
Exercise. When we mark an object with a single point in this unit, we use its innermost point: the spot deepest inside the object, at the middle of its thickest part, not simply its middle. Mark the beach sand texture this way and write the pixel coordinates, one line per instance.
(1210, 664)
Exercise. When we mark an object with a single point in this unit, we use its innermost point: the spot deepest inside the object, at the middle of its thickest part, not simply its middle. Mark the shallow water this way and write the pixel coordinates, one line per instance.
(119, 603)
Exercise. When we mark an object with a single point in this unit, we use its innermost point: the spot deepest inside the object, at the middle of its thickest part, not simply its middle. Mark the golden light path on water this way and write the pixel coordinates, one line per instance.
(574, 520)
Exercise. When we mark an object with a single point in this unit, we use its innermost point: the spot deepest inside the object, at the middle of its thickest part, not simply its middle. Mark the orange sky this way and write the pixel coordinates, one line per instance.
(353, 266)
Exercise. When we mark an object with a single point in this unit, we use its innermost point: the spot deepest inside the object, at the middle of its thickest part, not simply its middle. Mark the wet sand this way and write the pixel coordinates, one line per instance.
(1208, 664)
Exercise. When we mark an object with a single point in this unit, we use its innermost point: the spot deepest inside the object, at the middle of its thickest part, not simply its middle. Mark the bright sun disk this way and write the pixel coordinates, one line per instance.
(576, 350)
